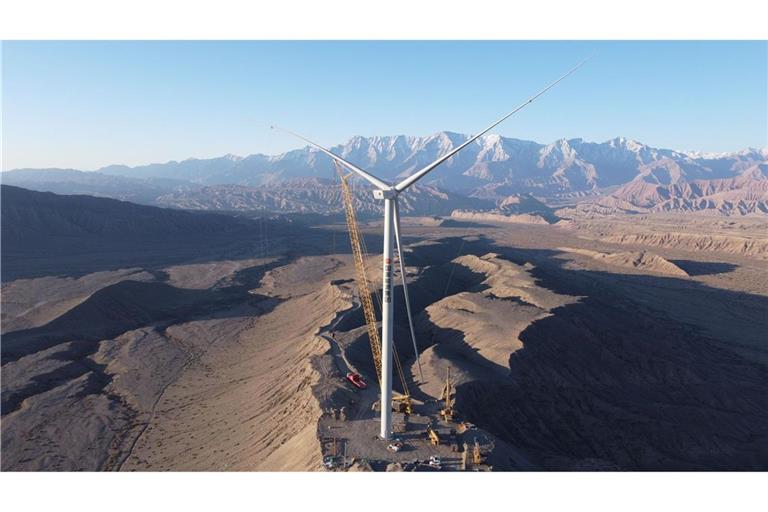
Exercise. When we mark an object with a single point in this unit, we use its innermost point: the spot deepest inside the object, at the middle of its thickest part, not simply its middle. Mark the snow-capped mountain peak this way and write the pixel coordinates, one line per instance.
(492, 167)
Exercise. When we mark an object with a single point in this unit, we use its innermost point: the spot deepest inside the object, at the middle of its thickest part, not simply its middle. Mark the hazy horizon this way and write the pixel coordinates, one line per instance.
(301, 147)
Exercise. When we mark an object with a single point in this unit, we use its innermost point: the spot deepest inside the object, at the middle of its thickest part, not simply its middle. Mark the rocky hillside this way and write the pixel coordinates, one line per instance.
(516, 208)
(315, 195)
(744, 194)
(50, 234)
(74, 182)
(29, 215)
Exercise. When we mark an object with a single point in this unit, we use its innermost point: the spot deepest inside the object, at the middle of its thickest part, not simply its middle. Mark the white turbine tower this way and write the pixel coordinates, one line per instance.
(389, 194)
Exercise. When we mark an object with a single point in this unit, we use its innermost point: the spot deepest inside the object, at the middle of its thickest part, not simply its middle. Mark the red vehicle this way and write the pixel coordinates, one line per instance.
(356, 380)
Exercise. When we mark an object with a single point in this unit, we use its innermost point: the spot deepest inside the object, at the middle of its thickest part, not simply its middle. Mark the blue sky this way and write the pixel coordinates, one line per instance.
(89, 104)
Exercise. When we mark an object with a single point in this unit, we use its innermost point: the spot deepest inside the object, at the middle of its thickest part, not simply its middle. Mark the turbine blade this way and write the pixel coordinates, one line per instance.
(405, 286)
(410, 180)
(352, 167)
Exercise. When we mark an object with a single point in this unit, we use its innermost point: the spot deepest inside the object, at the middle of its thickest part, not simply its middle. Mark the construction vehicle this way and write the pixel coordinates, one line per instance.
(400, 402)
(447, 411)
(463, 427)
(433, 436)
(357, 380)
(477, 456)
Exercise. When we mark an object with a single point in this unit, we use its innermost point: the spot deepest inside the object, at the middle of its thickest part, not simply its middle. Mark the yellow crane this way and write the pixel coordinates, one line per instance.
(400, 403)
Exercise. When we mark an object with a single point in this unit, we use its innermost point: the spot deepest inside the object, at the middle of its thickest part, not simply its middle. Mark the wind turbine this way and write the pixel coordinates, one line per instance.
(389, 194)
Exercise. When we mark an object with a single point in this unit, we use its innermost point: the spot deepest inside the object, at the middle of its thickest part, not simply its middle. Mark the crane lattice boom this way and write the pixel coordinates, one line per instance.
(365, 291)
(361, 278)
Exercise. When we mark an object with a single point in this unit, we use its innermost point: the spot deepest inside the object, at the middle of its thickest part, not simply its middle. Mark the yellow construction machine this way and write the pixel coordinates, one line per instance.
(477, 456)
(433, 436)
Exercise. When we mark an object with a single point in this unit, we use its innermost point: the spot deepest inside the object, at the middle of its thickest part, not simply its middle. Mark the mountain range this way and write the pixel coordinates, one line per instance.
(618, 175)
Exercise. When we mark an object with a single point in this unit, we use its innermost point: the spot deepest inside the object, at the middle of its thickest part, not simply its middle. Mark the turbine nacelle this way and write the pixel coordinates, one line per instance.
(390, 193)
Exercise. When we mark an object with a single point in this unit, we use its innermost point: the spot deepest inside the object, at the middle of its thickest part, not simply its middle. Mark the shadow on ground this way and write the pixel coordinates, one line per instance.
(704, 268)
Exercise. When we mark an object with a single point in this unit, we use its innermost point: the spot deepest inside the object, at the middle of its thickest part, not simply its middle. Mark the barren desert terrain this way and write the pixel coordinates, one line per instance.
(613, 342)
